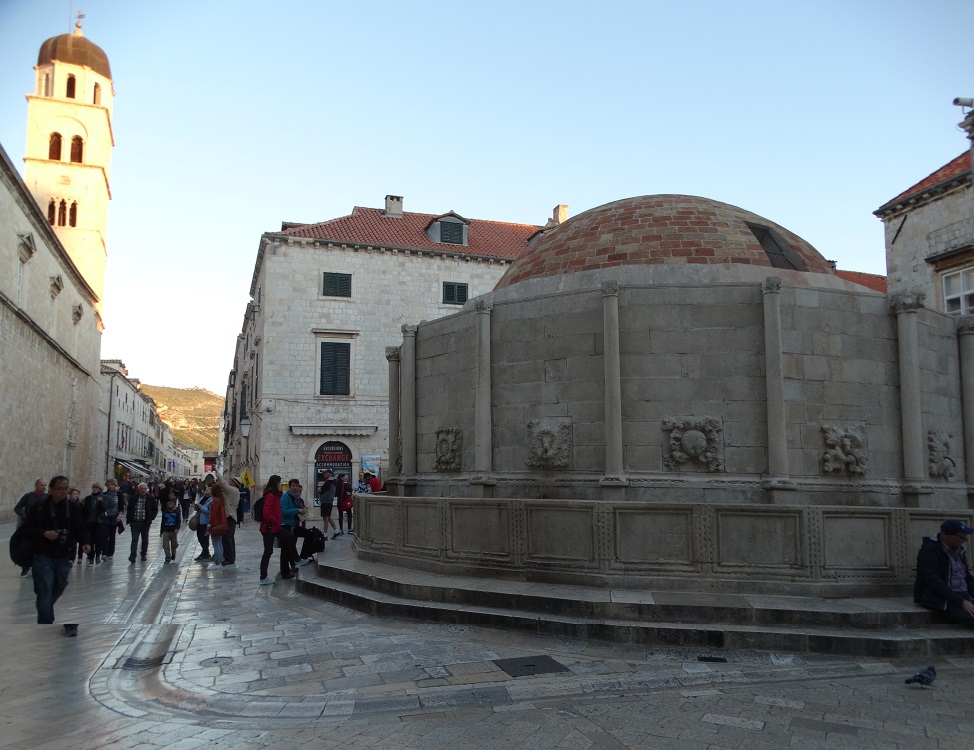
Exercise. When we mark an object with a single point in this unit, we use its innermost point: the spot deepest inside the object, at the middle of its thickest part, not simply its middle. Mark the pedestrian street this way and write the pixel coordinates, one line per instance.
(184, 657)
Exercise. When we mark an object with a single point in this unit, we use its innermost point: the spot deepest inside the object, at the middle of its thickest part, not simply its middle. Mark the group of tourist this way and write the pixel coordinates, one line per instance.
(63, 527)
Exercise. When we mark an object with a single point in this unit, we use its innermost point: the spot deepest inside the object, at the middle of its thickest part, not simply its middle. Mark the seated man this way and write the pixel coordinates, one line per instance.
(944, 582)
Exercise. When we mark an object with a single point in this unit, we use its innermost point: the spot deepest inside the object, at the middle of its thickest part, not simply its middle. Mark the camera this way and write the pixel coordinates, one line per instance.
(62, 536)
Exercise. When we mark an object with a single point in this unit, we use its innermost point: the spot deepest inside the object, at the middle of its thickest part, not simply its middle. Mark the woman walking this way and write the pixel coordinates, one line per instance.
(218, 524)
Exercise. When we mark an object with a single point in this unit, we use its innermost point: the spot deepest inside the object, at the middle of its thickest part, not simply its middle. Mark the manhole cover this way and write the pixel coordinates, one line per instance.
(218, 661)
(534, 664)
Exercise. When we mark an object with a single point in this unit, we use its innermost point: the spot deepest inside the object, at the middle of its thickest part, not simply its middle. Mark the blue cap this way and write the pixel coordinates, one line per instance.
(955, 527)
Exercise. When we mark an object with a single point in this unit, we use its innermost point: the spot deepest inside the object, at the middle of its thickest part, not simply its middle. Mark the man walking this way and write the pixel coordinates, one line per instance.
(23, 507)
(56, 526)
(142, 510)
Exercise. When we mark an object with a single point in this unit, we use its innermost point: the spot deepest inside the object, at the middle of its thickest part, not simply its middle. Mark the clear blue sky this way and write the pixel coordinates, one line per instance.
(231, 117)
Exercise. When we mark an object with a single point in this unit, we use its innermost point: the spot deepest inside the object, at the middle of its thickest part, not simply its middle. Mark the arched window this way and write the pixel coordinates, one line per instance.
(44, 85)
(77, 149)
(73, 214)
(54, 147)
(70, 89)
(97, 97)
(50, 212)
(62, 213)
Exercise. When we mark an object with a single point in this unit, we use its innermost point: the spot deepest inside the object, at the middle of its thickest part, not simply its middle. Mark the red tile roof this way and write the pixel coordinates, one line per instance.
(365, 226)
(875, 282)
(955, 167)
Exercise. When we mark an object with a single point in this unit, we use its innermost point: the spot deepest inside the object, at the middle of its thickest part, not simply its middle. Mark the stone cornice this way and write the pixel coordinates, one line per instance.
(333, 430)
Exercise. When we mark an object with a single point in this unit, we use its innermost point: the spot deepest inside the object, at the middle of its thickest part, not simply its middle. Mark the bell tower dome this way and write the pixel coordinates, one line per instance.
(67, 166)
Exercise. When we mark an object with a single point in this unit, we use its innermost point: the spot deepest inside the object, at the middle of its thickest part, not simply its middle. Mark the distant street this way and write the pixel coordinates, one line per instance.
(179, 656)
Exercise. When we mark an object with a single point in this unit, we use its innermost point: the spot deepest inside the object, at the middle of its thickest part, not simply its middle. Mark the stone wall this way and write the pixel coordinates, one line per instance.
(50, 337)
(798, 550)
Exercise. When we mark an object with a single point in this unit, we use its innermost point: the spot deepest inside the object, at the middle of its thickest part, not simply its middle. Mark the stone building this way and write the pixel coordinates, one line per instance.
(50, 336)
(929, 230)
(139, 441)
(309, 370)
(673, 391)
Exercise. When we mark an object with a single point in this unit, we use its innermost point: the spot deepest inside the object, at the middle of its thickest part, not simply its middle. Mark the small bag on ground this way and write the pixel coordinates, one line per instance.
(314, 543)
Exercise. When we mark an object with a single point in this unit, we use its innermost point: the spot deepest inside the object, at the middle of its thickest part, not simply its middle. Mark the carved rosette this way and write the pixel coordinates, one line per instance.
(771, 285)
(845, 450)
(940, 463)
(694, 443)
(449, 449)
(549, 443)
(610, 288)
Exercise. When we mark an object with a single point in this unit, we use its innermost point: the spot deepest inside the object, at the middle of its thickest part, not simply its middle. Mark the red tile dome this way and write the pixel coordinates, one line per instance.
(663, 229)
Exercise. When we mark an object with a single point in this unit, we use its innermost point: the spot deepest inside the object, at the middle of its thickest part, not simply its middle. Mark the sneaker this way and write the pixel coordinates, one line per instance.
(168, 560)
(267, 581)
(288, 576)
(70, 630)
(143, 558)
(303, 562)
(108, 558)
(335, 535)
(24, 571)
(131, 560)
(203, 557)
(97, 560)
(215, 566)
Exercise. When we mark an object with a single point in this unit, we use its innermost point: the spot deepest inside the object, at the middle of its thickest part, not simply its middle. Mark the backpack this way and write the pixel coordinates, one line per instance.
(21, 547)
(314, 543)
(258, 511)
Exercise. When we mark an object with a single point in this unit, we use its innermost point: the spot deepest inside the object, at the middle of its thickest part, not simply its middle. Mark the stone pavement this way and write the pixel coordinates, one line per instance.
(180, 656)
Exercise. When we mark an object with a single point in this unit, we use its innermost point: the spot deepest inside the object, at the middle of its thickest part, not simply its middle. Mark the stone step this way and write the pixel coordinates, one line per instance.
(338, 585)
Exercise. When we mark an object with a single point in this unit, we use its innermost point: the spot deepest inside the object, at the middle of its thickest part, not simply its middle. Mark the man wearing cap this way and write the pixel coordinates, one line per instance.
(944, 582)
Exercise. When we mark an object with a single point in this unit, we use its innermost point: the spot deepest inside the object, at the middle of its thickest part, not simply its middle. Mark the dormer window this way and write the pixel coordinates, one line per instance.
(450, 228)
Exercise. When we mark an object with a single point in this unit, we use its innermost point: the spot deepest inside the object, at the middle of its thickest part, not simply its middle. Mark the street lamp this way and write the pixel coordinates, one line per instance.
(245, 426)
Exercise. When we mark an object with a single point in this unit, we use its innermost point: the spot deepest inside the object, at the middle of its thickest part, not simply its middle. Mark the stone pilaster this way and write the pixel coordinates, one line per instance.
(774, 376)
(483, 416)
(613, 481)
(395, 458)
(965, 337)
(407, 404)
(905, 306)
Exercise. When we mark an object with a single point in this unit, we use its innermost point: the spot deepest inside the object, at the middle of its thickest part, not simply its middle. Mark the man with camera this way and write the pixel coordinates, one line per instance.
(56, 526)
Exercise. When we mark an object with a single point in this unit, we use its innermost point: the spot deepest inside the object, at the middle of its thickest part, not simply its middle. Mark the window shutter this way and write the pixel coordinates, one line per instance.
(335, 367)
(337, 285)
(451, 232)
(454, 293)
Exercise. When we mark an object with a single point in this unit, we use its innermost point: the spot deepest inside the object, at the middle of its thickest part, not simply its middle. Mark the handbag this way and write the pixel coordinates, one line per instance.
(219, 530)
(345, 504)
(120, 526)
(194, 521)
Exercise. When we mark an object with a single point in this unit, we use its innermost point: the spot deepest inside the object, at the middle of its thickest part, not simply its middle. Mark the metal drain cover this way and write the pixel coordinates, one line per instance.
(534, 664)
(218, 661)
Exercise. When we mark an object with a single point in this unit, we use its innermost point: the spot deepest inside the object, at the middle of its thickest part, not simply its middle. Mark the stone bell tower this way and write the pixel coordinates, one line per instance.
(67, 166)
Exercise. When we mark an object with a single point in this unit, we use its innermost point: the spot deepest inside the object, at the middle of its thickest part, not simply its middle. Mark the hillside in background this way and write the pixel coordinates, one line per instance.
(194, 414)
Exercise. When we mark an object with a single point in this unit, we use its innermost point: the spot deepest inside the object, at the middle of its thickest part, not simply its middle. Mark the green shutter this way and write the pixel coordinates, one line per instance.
(337, 285)
(336, 358)
(454, 293)
(451, 232)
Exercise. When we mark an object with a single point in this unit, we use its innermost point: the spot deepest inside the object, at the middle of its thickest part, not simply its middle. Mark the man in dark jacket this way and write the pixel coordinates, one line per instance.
(141, 511)
(55, 525)
(944, 581)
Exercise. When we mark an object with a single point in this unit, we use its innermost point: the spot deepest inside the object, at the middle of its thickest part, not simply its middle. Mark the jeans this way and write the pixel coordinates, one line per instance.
(229, 542)
(50, 580)
(140, 530)
(289, 555)
(217, 548)
(958, 614)
(204, 540)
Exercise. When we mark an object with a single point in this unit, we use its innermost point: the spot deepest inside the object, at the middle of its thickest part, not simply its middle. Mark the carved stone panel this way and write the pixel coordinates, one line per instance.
(549, 443)
(449, 449)
(941, 464)
(694, 443)
(845, 450)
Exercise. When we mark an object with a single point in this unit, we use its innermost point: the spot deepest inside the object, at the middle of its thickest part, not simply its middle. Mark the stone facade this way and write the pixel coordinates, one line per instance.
(50, 334)
(276, 379)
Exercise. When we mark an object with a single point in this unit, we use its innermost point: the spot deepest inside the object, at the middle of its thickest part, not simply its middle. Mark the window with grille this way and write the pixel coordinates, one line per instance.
(336, 365)
(337, 285)
(454, 293)
(959, 292)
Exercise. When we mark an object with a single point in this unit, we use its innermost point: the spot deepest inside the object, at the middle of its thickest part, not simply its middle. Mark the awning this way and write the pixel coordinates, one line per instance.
(132, 467)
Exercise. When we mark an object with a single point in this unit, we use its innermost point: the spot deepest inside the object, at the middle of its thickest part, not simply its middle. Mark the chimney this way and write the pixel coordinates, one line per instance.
(559, 214)
(393, 206)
